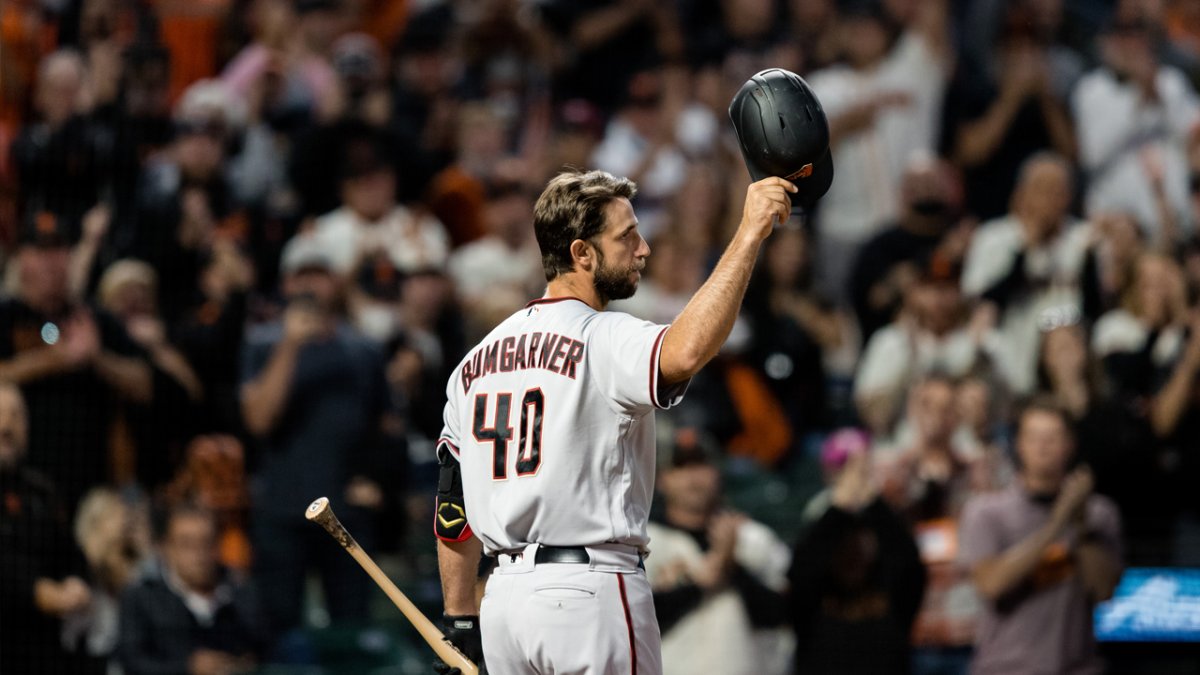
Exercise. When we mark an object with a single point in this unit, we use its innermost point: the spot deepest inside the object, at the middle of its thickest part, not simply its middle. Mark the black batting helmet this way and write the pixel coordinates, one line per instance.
(783, 132)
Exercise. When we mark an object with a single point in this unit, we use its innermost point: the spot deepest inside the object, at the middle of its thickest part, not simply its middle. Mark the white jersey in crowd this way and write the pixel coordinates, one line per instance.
(551, 419)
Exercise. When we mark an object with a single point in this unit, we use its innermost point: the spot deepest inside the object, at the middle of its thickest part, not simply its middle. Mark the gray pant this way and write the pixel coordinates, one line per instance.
(568, 618)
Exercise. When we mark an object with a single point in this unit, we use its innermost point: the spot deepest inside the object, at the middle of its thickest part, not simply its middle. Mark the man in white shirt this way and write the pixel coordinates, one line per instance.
(370, 221)
(496, 274)
(548, 447)
(930, 335)
(883, 106)
(1029, 262)
(639, 142)
(1133, 117)
(718, 577)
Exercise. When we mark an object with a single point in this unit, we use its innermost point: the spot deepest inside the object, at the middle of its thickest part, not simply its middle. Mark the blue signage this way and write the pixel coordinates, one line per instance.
(1152, 605)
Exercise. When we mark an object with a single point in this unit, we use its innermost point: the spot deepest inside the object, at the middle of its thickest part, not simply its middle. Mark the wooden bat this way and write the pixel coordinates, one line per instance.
(320, 513)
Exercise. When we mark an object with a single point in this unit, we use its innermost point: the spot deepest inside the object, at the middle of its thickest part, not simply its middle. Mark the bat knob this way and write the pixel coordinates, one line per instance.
(316, 508)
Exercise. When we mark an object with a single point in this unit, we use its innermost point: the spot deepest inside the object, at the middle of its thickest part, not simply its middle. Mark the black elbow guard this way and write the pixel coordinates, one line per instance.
(449, 513)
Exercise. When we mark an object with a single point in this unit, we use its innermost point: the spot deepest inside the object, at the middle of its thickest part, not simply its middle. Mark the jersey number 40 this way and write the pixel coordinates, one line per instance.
(529, 442)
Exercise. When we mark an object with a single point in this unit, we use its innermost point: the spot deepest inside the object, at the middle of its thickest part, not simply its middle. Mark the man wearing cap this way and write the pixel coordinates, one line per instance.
(74, 363)
(930, 334)
(713, 572)
(313, 397)
(185, 199)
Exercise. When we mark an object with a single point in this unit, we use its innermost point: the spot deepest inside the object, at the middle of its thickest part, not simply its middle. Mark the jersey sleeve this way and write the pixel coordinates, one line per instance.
(623, 356)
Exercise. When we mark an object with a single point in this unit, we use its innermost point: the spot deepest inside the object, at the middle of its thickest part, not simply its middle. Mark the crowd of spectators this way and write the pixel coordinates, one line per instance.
(244, 242)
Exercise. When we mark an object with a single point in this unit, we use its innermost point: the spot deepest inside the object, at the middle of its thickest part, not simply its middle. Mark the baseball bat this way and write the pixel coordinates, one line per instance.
(322, 514)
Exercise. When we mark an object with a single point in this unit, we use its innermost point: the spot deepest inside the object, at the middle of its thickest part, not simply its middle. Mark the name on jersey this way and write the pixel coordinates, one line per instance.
(547, 351)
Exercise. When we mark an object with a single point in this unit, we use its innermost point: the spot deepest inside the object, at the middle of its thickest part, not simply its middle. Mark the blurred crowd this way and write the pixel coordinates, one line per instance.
(244, 242)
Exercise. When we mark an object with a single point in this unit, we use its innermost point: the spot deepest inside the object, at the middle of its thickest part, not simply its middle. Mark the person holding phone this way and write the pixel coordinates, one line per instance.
(313, 398)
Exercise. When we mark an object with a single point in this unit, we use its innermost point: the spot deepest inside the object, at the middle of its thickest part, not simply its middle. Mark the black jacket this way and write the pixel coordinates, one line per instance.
(35, 543)
(891, 585)
(159, 633)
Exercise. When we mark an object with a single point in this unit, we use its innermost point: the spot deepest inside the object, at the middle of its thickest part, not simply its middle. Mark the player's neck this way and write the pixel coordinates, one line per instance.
(575, 285)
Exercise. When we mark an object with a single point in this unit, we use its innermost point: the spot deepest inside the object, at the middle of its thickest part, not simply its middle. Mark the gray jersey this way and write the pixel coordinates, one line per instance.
(551, 417)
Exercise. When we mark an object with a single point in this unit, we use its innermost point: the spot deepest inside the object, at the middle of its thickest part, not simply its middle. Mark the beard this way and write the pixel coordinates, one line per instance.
(615, 283)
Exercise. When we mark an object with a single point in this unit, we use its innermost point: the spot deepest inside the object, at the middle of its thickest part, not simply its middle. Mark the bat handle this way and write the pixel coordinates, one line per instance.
(320, 512)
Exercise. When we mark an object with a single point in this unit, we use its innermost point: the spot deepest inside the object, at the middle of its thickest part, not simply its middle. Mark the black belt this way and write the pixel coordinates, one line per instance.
(568, 554)
(562, 554)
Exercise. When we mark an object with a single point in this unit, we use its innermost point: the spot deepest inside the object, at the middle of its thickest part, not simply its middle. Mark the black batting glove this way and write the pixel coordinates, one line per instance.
(463, 633)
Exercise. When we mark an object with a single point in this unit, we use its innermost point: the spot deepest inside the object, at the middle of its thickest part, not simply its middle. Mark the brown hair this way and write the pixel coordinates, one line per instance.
(572, 207)
(1045, 403)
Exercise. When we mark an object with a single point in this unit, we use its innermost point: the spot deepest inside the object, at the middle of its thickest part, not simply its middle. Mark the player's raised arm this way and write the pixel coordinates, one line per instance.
(782, 131)
(702, 327)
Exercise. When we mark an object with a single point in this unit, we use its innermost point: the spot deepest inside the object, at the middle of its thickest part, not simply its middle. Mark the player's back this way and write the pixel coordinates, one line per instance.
(549, 418)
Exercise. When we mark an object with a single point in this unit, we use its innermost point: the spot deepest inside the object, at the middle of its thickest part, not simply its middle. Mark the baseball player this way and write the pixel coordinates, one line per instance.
(547, 451)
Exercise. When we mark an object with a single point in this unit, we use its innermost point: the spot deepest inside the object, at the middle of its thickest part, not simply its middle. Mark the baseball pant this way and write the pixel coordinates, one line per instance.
(569, 618)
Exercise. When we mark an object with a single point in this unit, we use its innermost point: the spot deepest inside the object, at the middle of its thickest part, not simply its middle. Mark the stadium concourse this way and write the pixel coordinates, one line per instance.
(246, 242)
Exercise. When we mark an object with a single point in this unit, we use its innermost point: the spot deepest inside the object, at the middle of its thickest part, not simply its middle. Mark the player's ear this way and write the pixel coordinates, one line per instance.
(583, 253)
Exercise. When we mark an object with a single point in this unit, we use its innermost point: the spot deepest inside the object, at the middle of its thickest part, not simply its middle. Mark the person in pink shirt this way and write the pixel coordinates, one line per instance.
(1041, 554)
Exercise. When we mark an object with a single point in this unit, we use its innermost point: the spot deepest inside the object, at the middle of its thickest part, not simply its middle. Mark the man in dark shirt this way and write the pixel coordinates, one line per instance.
(188, 615)
(856, 577)
(923, 238)
(64, 159)
(73, 363)
(313, 395)
(1005, 103)
(38, 562)
(610, 41)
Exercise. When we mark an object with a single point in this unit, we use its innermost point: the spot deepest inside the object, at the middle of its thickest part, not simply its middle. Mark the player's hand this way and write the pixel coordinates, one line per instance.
(768, 202)
(463, 633)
